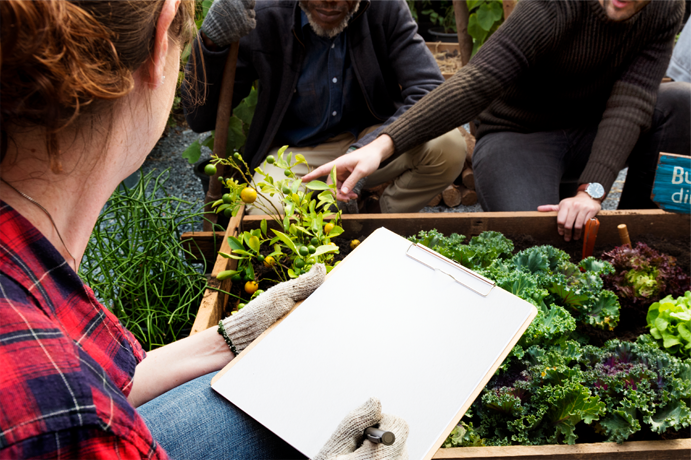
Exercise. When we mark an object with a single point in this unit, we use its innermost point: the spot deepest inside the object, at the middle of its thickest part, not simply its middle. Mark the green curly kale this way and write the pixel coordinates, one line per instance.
(640, 385)
(550, 385)
(539, 400)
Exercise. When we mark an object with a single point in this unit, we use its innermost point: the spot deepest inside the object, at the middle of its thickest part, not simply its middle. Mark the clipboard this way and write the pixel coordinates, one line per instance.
(393, 320)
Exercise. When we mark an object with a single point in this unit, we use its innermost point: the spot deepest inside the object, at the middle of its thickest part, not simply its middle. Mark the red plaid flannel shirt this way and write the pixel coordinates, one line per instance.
(66, 362)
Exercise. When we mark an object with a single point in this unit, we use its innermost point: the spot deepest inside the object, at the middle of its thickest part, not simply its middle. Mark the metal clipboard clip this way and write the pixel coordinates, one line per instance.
(459, 273)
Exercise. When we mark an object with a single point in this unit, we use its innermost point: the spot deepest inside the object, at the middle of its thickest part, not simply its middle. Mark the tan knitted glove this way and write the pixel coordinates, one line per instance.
(343, 444)
(246, 325)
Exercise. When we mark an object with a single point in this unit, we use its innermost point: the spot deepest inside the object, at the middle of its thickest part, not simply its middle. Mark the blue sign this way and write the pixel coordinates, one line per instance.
(672, 187)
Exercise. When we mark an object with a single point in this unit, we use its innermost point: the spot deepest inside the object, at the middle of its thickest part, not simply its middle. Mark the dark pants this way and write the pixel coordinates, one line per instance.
(519, 172)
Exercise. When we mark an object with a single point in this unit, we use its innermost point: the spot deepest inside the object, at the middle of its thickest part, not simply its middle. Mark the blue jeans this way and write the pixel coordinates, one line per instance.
(192, 421)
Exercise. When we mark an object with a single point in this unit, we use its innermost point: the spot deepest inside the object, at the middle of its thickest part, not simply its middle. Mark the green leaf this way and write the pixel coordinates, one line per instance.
(605, 310)
(236, 136)
(226, 274)
(253, 243)
(472, 4)
(569, 297)
(497, 10)
(245, 110)
(209, 141)
(325, 249)
(286, 240)
(263, 226)
(619, 425)
(317, 185)
(485, 17)
(674, 415)
(661, 323)
(335, 231)
(193, 152)
(235, 244)
(475, 30)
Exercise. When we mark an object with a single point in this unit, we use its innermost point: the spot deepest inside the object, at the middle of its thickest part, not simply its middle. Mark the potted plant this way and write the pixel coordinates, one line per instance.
(484, 18)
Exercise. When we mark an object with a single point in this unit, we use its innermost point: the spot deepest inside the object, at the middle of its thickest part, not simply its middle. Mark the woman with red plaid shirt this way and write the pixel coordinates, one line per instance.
(84, 98)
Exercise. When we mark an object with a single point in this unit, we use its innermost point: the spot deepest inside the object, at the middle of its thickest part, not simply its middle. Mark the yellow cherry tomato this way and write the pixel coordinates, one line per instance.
(248, 195)
(251, 287)
(354, 244)
(328, 227)
(269, 261)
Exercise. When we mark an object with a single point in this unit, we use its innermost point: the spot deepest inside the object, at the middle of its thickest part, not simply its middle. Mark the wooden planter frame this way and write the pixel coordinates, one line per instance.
(542, 227)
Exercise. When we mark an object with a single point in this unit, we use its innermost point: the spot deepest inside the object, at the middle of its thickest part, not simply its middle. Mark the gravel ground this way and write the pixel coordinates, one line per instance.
(184, 184)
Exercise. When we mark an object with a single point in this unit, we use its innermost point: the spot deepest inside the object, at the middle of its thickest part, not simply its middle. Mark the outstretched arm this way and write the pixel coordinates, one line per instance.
(505, 56)
(172, 365)
(629, 112)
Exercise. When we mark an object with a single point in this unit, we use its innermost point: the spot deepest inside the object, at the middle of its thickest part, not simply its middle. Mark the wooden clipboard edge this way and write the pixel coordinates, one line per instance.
(227, 367)
(488, 376)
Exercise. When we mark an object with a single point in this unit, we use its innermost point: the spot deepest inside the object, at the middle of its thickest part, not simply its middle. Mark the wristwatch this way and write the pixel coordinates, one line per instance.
(595, 190)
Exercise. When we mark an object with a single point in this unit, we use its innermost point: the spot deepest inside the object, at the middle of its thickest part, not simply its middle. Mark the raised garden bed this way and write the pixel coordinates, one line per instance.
(528, 228)
(447, 56)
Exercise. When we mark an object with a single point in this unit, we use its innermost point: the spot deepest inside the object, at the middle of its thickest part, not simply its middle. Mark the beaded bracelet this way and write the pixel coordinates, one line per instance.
(222, 331)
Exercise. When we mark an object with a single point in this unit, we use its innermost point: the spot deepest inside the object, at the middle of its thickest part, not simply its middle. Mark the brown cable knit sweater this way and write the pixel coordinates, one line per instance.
(557, 64)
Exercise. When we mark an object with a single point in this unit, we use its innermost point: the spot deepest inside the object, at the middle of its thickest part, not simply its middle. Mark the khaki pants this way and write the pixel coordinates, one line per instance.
(418, 175)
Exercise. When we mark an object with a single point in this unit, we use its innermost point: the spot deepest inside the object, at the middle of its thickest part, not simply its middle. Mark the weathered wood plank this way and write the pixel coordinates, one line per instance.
(637, 450)
(540, 225)
(213, 302)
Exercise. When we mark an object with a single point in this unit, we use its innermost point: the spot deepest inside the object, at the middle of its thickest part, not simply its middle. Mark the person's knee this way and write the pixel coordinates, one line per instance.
(674, 98)
(444, 155)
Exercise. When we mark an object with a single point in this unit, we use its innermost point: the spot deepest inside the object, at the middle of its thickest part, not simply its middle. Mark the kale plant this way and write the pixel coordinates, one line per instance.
(640, 385)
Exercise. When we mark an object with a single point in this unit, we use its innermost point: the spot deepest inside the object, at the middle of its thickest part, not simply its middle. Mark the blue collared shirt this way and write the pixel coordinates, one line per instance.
(327, 100)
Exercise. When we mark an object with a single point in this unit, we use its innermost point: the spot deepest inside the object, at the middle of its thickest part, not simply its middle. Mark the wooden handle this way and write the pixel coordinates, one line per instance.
(225, 106)
(591, 229)
(624, 235)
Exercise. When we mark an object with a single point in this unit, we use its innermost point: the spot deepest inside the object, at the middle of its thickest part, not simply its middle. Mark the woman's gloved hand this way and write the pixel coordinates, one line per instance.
(228, 21)
(347, 443)
(246, 325)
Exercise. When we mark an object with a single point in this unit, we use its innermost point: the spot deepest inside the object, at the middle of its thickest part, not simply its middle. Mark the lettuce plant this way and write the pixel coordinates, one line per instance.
(669, 321)
(643, 276)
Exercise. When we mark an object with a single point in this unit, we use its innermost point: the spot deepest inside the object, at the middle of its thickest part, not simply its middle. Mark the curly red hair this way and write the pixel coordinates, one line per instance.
(60, 59)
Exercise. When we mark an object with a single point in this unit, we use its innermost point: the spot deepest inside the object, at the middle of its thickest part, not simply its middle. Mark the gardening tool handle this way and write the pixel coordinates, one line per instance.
(624, 235)
(225, 106)
(591, 229)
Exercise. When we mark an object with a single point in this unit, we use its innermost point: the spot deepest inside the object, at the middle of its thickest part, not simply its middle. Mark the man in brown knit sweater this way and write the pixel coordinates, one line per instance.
(563, 90)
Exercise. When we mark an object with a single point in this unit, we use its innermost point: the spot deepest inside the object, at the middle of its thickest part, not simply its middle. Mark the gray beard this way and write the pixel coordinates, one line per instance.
(331, 33)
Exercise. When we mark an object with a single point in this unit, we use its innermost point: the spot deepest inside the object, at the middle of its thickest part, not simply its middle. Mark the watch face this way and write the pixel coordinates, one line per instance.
(595, 190)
